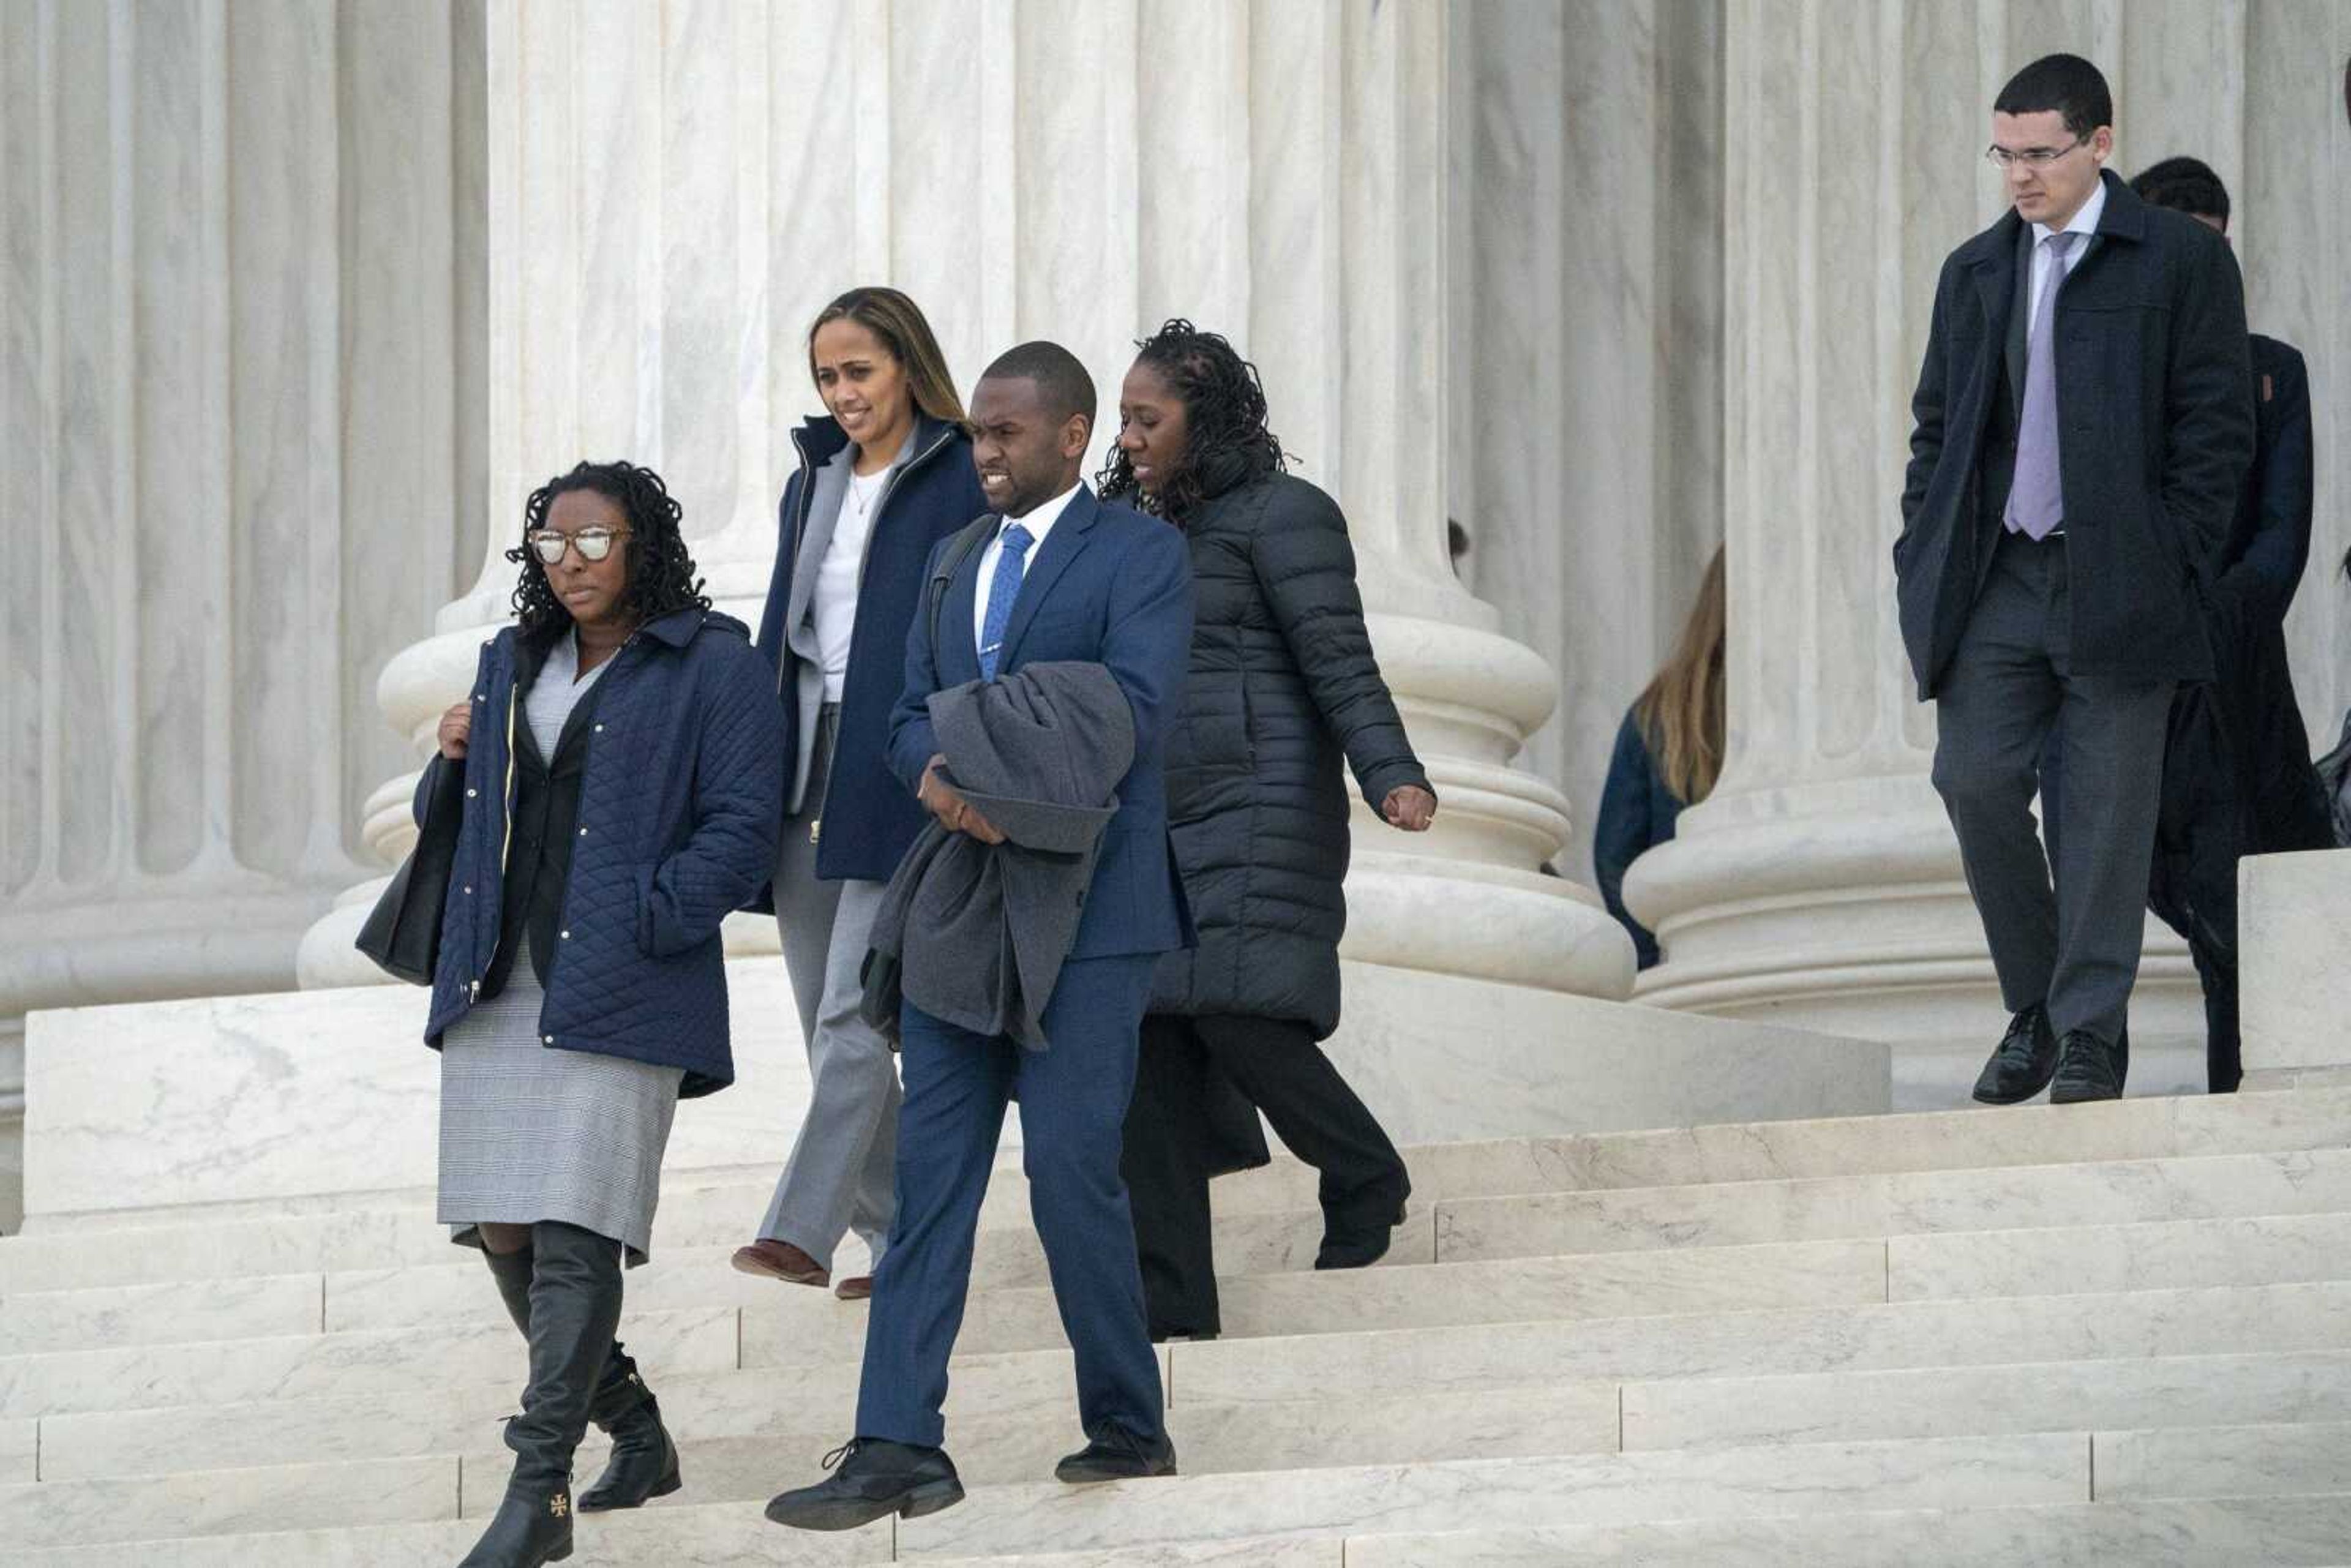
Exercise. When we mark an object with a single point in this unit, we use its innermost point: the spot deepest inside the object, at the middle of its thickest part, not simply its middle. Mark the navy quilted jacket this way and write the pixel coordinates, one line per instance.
(678, 817)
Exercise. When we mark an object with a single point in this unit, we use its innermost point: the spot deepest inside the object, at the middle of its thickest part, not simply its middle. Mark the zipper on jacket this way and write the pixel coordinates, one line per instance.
(865, 563)
(506, 799)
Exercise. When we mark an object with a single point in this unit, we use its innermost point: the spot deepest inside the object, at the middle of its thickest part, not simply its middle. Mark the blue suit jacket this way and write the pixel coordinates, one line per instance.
(1112, 587)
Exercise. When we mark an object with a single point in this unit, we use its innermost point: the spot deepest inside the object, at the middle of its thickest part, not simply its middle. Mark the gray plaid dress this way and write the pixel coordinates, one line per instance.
(529, 1133)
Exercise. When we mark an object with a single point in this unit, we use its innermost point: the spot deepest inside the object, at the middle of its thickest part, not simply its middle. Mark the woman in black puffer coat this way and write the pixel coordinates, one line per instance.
(1283, 688)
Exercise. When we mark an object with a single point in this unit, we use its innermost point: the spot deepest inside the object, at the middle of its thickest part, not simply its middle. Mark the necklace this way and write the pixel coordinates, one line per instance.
(861, 496)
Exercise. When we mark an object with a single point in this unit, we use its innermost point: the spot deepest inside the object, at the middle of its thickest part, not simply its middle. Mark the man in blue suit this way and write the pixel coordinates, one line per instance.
(1062, 578)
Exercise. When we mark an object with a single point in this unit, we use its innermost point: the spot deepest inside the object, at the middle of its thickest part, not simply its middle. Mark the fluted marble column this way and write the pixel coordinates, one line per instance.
(230, 342)
(1820, 885)
(1026, 168)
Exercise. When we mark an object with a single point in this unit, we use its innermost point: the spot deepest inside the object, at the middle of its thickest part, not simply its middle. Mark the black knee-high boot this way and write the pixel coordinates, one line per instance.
(644, 1459)
(575, 1305)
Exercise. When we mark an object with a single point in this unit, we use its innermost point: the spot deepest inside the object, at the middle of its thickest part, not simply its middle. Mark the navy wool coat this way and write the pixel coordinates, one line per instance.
(1638, 811)
(2155, 398)
(679, 810)
(870, 819)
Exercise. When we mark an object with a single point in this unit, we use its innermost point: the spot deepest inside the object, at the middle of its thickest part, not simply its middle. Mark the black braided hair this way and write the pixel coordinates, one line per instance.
(660, 572)
(1225, 441)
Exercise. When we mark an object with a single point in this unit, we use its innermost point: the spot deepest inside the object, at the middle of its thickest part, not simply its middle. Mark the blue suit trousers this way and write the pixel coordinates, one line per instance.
(1073, 1099)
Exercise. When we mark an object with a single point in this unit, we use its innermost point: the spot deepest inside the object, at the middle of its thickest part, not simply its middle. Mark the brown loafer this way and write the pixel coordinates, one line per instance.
(780, 1260)
(856, 1288)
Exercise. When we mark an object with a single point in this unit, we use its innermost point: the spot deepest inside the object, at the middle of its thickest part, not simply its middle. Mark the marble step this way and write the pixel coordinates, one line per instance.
(1267, 1253)
(20, 1450)
(290, 1497)
(206, 1244)
(1910, 1334)
(996, 1451)
(1364, 1428)
(1908, 1204)
(454, 1404)
(360, 1365)
(2273, 1460)
(1334, 1500)
(481, 1360)
(2302, 1386)
(1606, 1488)
(2231, 1532)
(790, 1325)
(2276, 1248)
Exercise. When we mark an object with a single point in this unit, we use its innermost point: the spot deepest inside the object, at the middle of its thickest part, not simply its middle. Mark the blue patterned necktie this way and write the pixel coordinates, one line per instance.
(1002, 590)
(2036, 496)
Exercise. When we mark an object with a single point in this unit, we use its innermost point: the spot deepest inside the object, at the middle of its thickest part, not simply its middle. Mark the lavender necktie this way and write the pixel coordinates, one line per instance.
(2036, 496)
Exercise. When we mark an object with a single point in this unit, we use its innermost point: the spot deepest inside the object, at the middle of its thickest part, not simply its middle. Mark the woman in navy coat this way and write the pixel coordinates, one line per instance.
(621, 788)
(883, 476)
(1668, 751)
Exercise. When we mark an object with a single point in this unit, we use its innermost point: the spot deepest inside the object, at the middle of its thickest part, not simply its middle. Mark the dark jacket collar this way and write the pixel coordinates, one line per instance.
(2124, 218)
(821, 438)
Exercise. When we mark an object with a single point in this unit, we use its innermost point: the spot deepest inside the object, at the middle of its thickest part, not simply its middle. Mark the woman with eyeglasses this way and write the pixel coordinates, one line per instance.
(885, 473)
(621, 789)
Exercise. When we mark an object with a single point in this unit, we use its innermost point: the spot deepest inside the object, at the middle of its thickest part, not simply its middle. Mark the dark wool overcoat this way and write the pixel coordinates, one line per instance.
(1283, 687)
(2155, 408)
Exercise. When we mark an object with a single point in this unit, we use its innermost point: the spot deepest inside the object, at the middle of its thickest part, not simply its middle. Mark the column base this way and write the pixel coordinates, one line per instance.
(1445, 1058)
(1841, 908)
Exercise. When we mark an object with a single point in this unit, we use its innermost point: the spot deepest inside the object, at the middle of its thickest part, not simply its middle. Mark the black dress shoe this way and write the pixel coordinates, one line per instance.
(876, 1479)
(1117, 1455)
(2022, 1063)
(2090, 1069)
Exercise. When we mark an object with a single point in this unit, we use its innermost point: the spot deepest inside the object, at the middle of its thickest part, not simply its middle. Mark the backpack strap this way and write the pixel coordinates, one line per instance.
(973, 536)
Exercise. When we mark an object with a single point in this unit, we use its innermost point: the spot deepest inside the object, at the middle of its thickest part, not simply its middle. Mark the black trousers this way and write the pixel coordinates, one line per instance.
(1171, 1152)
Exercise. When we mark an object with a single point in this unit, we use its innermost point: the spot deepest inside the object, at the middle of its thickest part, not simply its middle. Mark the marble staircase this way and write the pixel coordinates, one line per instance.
(2110, 1335)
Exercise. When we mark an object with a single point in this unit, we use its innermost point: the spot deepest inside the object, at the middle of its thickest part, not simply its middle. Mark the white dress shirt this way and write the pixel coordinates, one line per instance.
(2084, 223)
(1039, 523)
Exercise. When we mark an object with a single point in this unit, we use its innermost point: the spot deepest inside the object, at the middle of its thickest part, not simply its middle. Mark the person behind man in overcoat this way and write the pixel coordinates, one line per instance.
(2237, 773)
(2083, 423)
(883, 476)
(1062, 578)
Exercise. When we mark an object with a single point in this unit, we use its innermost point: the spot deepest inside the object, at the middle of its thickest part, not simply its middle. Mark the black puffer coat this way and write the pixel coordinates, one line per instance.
(1282, 681)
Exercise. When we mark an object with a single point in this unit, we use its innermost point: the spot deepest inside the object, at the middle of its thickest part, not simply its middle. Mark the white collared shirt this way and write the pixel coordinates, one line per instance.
(2084, 223)
(1038, 522)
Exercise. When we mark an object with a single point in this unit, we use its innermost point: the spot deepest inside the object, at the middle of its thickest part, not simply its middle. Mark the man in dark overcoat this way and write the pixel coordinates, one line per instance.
(2083, 425)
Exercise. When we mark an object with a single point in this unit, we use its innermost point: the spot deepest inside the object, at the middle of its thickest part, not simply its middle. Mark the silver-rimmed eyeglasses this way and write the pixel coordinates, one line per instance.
(594, 543)
(2004, 160)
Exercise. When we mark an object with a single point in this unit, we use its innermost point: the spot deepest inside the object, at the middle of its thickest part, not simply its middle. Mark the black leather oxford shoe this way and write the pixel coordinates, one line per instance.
(2090, 1069)
(2022, 1063)
(1117, 1455)
(875, 1479)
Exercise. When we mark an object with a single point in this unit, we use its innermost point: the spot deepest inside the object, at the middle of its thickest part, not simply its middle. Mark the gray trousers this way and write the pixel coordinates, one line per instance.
(842, 1170)
(2076, 947)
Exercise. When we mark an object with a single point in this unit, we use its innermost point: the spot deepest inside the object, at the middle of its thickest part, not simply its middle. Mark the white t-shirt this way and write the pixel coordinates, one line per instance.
(834, 607)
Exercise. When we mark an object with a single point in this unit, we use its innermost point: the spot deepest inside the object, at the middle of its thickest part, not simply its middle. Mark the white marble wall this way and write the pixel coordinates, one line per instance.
(1586, 375)
(1820, 884)
(233, 335)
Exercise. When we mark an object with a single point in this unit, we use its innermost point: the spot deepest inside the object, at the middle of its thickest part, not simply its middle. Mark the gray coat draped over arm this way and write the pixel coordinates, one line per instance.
(973, 933)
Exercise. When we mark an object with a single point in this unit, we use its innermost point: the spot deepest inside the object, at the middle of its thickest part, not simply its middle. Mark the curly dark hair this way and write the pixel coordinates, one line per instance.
(660, 572)
(1227, 443)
